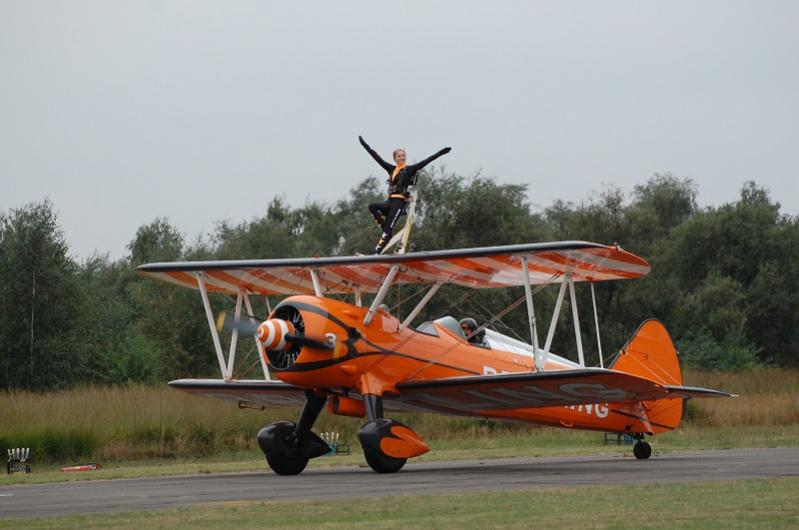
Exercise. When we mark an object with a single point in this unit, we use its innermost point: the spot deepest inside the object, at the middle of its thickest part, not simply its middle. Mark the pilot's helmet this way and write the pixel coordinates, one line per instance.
(468, 325)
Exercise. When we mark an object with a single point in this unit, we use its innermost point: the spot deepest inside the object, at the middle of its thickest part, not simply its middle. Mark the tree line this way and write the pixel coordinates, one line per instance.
(723, 278)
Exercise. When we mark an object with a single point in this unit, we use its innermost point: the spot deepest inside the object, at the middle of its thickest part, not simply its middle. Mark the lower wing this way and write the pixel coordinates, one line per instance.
(472, 394)
(466, 395)
(263, 393)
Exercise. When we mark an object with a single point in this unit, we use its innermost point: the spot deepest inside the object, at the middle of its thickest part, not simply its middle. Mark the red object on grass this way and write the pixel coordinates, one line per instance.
(84, 467)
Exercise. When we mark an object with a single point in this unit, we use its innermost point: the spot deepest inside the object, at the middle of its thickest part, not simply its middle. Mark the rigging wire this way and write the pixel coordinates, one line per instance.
(500, 322)
(407, 298)
(499, 315)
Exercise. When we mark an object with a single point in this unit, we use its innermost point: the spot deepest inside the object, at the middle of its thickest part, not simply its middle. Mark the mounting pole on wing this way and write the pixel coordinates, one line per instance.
(403, 236)
(538, 354)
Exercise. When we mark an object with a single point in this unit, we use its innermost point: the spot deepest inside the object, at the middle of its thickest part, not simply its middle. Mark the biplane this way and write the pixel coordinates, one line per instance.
(331, 343)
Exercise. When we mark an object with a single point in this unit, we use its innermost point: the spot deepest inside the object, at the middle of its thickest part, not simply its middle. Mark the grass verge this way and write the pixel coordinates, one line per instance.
(542, 442)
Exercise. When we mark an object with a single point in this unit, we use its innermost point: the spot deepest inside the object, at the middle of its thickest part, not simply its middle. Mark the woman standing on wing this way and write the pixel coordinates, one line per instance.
(401, 176)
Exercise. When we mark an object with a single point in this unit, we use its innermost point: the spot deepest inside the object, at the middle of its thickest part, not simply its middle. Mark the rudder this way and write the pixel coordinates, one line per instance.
(650, 353)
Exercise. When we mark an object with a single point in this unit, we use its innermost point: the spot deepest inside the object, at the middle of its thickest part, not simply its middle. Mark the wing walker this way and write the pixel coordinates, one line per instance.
(330, 343)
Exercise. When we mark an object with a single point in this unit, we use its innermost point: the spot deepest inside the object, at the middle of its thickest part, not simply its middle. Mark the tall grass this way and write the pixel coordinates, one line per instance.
(767, 396)
(135, 422)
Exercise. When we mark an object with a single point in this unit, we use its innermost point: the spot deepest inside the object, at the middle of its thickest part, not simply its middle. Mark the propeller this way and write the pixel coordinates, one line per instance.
(275, 333)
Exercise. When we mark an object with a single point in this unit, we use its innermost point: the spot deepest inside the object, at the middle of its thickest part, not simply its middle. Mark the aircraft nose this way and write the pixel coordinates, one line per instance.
(273, 334)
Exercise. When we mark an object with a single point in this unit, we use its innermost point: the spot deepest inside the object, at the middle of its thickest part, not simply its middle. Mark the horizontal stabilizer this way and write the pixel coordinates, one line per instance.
(688, 392)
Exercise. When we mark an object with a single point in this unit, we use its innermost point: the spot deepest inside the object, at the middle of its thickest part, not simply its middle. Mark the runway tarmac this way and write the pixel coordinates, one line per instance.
(439, 477)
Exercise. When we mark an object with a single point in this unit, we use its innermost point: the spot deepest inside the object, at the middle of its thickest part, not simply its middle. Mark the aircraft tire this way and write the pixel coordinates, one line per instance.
(278, 454)
(642, 450)
(283, 465)
(382, 463)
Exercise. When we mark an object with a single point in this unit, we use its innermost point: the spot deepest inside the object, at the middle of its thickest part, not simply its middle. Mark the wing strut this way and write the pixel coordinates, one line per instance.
(381, 295)
(538, 355)
(317, 288)
(214, 333)
(423, 302)
(234, 337)
(556, 313)
(258, 344)
(577, 335)
(227, 368)
(596, 323)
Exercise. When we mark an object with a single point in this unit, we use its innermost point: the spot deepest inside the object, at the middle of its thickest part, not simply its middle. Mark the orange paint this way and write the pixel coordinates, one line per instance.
(404, 444)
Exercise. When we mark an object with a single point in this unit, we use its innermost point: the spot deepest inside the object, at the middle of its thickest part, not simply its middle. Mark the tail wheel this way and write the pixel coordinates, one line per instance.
(382, 463)
(642, 450)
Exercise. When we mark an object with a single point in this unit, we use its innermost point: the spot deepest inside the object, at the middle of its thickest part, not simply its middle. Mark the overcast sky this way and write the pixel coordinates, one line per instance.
(122, 111)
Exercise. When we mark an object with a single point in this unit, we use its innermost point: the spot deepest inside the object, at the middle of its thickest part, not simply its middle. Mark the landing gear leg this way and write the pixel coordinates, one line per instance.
(373, 432)
(288, 446)
(642, 450)
(313, 406)
(374, 407)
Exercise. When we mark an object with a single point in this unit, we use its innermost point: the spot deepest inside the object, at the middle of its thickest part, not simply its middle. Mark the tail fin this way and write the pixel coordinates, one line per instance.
(650, 353)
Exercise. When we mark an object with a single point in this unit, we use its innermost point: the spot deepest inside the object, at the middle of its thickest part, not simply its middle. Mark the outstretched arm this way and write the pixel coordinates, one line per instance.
(423, 163)
(385, 165)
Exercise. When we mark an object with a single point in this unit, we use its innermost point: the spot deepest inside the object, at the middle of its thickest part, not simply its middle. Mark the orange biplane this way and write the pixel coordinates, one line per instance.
(361, 360)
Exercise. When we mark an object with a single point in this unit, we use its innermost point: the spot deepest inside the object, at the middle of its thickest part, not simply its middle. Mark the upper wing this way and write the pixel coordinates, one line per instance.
(484, 267)
(264, 393)
(472, 395)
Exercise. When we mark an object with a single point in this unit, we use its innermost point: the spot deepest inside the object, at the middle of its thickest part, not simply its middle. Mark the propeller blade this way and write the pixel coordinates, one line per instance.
(227, 321)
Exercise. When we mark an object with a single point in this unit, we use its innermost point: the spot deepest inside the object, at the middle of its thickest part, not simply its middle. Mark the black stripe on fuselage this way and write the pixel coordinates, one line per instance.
(352, 352)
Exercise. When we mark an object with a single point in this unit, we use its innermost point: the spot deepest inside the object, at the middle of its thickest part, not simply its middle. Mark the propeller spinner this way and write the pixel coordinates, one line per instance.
(273, 334)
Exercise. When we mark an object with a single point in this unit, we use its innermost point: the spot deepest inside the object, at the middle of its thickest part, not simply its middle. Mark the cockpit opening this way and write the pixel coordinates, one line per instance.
(463, 328)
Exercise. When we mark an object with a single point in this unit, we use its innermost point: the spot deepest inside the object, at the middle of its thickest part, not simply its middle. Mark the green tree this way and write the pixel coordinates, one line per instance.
(169, 317)
(114, 349)
(38, 300)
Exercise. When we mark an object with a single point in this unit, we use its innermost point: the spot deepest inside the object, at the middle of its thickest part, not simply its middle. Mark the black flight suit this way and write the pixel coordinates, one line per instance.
(387, 213)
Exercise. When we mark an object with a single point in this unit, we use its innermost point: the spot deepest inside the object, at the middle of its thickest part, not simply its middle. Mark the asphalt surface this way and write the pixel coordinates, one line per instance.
(330, 483)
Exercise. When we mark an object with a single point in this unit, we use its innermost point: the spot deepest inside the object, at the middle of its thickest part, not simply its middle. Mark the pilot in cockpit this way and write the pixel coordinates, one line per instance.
(469, 325)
